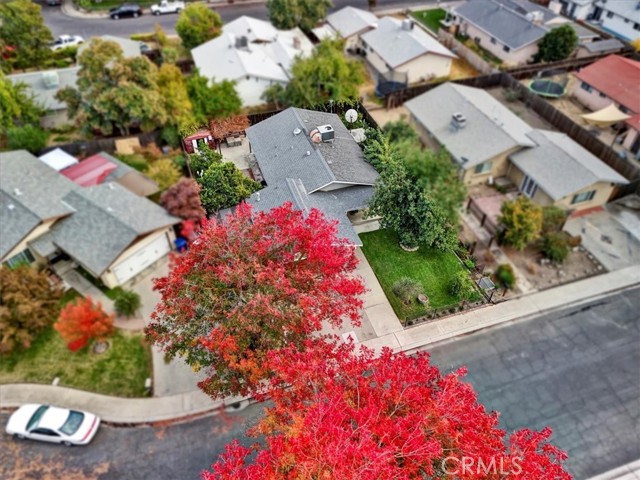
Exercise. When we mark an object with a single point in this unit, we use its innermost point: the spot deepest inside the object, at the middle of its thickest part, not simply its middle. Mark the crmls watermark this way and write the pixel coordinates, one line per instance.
(471, 465)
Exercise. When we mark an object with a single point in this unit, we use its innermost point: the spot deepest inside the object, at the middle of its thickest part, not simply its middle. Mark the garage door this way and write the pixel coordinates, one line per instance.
(138, 261)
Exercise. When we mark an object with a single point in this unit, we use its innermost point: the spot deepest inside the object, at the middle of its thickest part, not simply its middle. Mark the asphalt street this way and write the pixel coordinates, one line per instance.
(576, 370)
(164, 452)
(59, 23)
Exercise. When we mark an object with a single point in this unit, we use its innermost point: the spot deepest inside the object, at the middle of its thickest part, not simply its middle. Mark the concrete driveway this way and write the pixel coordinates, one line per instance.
(612, 236)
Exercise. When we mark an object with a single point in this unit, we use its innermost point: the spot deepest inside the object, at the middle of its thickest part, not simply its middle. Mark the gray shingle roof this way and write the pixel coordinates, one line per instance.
(282, 154)
(108, 219)
(612, 44)
(349, 21)
(16, 221)
(501, 22)
(42, 94)
(560, 166)
(292, 175)
(397, 46)
(491, 128)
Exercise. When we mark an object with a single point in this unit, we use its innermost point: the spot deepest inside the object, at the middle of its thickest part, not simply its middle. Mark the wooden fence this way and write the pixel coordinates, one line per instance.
(89, 147)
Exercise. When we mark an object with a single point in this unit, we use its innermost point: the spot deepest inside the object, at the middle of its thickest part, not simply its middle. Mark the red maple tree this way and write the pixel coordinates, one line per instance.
(82, 321)
(251, 284)
(183, 200)
(337, 415)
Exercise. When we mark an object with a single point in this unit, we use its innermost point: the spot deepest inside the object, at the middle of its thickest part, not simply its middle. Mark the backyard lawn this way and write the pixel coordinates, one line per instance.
(433, 269)
(430, 18)
(120, 371)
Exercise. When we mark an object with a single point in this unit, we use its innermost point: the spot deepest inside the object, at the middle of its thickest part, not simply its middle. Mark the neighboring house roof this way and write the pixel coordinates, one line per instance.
(350, 21)
(501, 22)
(634, 122)
(224, 58)
(624, 8)
(91, 171)
(45, 84)
(108, 219)
(254, 29)
(130, 178)
(560, 166)
(603, 45)
(397, 45)
(130, 48)
(325, 31)
(16, 221)
(617, 77)
(58, 159)
(295, 168)
(525, 6)
(491, 128)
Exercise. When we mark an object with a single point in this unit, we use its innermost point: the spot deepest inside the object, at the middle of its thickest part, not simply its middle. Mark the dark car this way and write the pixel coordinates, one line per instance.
(54, 3)
(125, 10)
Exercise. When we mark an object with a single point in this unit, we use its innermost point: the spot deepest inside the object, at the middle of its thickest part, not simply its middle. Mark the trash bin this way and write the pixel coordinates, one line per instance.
(181, 244)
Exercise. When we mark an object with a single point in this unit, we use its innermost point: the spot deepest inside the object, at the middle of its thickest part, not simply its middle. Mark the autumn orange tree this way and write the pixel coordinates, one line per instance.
(82, 321)
(338, 415)
(251, 284)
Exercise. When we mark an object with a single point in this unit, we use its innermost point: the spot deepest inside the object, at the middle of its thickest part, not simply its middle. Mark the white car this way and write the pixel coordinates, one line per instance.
(167, 7)
(64, 41)
(53, 424)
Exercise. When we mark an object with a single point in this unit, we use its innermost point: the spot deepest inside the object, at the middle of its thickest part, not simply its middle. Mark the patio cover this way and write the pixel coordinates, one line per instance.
(58, 159)
(89, 172)
(606, 117)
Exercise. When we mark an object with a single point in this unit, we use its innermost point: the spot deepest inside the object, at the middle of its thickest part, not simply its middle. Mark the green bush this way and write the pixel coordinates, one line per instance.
(553, 218)
(462, 286)
(555, 246)
(127, 303)
(505, 276)
(407, 289)
(28, 137)
(135, 160)
(171, 136)
(143, 37)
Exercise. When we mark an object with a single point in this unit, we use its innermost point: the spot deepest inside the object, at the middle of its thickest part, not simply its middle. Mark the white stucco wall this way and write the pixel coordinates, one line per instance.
(419, 69)
(594, 100)
(617, 25)
(513, 57)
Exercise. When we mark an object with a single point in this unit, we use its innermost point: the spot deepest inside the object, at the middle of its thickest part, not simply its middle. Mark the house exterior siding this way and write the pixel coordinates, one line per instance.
(594, 100)
(499, 168)
(420, 69)
(511, 58)
(630, 140)
(619, 25)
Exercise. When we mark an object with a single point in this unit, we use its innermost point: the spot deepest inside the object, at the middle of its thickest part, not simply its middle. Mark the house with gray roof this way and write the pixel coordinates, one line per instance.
(558, 171)
(510, 29)
(399, 49)
(310, 159)
(348, 23)
(111, 232)
(43, 86)
(619, 17)
(477, 130)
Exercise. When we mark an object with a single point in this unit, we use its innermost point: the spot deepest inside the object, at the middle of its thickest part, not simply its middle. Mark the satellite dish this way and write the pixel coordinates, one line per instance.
(351, 115)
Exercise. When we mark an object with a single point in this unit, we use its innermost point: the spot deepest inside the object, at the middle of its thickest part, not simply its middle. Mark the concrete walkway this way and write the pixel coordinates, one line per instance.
(631, 471)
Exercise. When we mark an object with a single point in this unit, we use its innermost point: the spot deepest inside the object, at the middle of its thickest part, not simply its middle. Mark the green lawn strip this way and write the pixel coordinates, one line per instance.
(435, 270)
(120, 371)
(109, 4)
(430, 18)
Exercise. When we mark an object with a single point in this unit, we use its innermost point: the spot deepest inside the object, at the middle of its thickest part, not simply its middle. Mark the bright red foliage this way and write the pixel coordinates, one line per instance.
(341, 416)
(250, 285)
(82, 321)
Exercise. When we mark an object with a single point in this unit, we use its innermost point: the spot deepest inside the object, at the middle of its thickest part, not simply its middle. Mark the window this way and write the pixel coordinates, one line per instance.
(529, 186)
(483, 168)
(583, 197)
(609, 14)
(493, 40)
(73, 423)
(636, 26)
(25, 257)
(586, 86)
(602, 95)
(506, 49)
(37, 415)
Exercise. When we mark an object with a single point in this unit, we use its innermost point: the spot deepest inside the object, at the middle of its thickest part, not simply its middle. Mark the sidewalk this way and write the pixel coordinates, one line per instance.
(144, 410)
(630, 471)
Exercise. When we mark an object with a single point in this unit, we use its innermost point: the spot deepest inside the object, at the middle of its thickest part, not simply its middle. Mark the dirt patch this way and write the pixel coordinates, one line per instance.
(519, 108)
(543, 274)
(461, 69)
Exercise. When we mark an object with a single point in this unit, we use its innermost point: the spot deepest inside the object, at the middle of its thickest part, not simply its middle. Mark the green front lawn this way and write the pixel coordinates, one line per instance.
(120, 371)
(434, 269)
(430, 18)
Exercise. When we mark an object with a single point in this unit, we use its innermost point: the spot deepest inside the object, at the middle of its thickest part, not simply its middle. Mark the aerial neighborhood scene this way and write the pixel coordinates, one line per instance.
(320, 239)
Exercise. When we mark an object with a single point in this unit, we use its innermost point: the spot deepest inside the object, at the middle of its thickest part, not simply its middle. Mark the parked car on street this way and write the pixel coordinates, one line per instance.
(54, 3)
(167, 7)
(125, 10)
(53, 424)
(64, 41)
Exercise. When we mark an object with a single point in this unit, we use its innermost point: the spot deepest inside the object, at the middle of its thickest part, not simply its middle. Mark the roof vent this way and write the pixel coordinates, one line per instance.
(297, 131)
(51, 80)
(242, 42)
(308, 153)
(11, 206)
(296, 43)
(315, 135)
(258, 196)
(17, 191)
(458, 121)
(463, 160)
(407, 24)
(327, 133)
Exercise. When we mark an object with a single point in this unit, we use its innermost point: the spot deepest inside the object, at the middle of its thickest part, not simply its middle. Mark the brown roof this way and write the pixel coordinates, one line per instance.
(617, 77)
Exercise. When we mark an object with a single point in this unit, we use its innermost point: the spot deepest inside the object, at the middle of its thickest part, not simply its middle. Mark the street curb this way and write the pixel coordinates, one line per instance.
(630, 471)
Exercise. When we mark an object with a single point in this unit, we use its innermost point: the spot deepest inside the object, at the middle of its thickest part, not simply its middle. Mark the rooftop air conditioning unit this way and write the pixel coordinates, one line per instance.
(407, 24)
(242, 42)
(458, 120)
(327, 132)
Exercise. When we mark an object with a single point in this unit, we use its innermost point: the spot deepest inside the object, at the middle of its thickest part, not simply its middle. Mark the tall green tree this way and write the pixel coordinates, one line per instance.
(113, 92)
(173, 91)
(223, 186)
(522, 222)
(406, 208)
(326, 75)
(400, 131)
(198, 24)
(18, 107)
(288, 14)
(212, 100)
(558, 44)
(22, 30)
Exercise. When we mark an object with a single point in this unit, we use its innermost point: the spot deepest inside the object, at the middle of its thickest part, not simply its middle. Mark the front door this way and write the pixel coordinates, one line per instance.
(528, 186)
